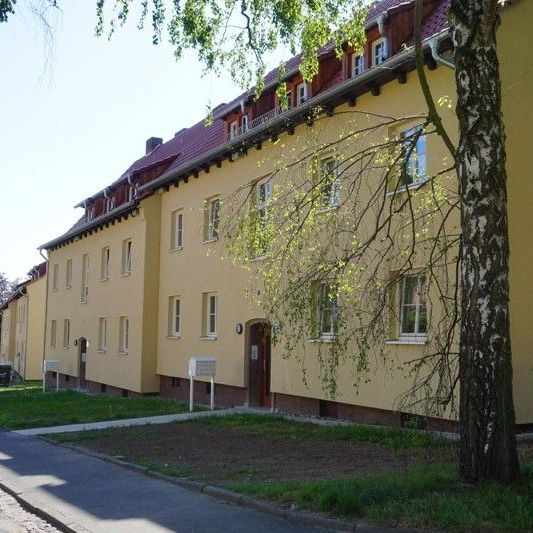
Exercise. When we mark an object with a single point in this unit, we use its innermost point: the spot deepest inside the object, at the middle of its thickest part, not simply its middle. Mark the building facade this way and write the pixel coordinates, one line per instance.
(142, 282)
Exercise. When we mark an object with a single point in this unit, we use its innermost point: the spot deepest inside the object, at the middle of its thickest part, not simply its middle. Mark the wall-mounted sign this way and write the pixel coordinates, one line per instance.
(254, 354)
(238, 329)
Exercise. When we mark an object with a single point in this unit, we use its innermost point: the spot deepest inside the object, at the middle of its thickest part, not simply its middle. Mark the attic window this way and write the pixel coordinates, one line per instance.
(358, 64)
(302, 93)
(379, 51)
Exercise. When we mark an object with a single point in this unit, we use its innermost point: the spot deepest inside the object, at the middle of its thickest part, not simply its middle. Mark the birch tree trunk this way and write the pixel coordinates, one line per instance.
(487, 420)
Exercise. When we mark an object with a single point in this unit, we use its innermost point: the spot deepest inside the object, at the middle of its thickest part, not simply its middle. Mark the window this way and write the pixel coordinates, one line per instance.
(329, 185)
(234, 130)
(109, 203)
(302, 93)
(174, 321)
(104, 268)
(126, 257)
(53, 333)
(328, 311)
(68, 274)
(102, 334)
(414, 148)
(85, 278)
(124, 334)
(413, 306)
(244, 123)
(133, 191)
(210, 318)
(358, 64)
(211, 219)
(66, 333)
(90, 212)
(264, 196)
(176, 236)
(55, 278)
(379, 51)
(289, 99)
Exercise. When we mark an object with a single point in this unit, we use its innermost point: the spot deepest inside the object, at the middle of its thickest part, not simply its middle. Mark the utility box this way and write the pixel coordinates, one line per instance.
(202, 366)
(5, 374)
(51, 365)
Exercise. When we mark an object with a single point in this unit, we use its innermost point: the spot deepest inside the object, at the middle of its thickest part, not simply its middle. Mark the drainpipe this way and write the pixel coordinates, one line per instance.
(45, 307)
(433, 45)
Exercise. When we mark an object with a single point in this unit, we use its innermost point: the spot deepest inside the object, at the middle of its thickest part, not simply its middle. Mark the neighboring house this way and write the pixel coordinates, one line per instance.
(138, 285)
(23, 325)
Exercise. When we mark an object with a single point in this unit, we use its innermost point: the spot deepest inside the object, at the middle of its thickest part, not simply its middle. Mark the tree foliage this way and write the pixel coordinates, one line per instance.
(6, 288)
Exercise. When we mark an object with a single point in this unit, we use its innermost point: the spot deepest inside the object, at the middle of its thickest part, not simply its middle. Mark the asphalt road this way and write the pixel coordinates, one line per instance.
(88, 494)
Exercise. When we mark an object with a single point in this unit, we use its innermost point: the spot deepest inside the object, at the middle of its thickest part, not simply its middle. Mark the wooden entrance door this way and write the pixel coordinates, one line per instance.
(82, 382)
(259, 364)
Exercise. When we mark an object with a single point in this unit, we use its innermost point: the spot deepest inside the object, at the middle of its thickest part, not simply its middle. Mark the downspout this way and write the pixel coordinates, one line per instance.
(45, 306)
(433, 46)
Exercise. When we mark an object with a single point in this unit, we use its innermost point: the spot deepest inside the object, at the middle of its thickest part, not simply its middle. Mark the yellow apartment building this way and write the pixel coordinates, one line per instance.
(23, 325)
(142, 282)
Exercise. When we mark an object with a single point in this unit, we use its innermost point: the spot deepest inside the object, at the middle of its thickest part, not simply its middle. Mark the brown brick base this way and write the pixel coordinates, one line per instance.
(298, 405)
(178, 389)
(71, 382)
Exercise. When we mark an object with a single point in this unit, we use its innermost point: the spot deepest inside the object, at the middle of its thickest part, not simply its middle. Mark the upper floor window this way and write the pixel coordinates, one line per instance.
(211, 219)
(358, 64)
(124, 334)
(328, 311)
(102, 334)
(53, 333)
(379, 51)
(264, 197)
(176, 236)
(109, 203)
(329, 184)
(414, 151)
(68, 274)
(84, 278)
(288, 96)
(302, 93)
(413, 305)
(244, 123)
(126, 257)
(55, 277)
(133, 191)
(66, 332)
(234, 129)
(104, 268)
(90, 212)
(210, 314)
(174, 322)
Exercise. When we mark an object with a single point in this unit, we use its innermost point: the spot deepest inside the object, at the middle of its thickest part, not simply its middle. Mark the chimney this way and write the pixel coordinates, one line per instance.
(152, 143)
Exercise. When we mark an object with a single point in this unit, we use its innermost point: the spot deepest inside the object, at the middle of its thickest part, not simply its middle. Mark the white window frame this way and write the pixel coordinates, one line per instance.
(53, 333)
(264, 198)
(302, 93)
(133, 191)
(210, 318)
(104, 267)
(127, 246)
(329, 333)
(68, 274)
(414, 170)
(102, 334)
(421, 280)
(245, 123)
(84, 278)
(174, 317)
(378, 59)
(176, 235)
(234, 130)
(288, 96)
(330, 200)
(66, 333)
(55, 278)
(358, 64)
(124, 334)
(212, 219)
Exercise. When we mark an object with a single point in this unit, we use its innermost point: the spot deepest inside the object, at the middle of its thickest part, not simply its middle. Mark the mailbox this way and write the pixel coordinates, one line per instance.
(202, 366)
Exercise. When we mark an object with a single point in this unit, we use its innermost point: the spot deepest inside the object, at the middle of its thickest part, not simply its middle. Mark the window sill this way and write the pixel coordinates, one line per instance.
(416, 341)
(328, 209)
(177, 249)
(411, 187)
(68, 287)
(125, 274)
(325, 339)
(258, 258)
(104, 279)
(208, 241)
(65, 347)
(174, 337)
(101, 351)
(122, 353)
(83, 301)
(209, 338)
(54, 290)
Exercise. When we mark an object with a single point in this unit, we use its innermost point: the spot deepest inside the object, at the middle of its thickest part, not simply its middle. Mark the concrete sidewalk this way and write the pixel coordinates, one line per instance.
(125, 422)
(86, 494)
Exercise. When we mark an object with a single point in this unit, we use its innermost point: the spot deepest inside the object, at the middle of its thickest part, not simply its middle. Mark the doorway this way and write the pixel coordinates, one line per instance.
(82, 350)
(258, 349)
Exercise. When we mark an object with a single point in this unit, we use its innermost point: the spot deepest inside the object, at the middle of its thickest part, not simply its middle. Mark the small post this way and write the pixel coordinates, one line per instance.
(191, 394)
(44, 378)
(212, 393)
(57, 380)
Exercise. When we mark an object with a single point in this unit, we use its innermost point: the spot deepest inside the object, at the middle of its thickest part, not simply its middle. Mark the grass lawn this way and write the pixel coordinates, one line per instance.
(25, 406)
(389, 476)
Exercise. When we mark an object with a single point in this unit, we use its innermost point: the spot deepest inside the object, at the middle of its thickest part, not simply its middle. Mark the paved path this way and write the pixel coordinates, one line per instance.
(88, 494)
(15, 519)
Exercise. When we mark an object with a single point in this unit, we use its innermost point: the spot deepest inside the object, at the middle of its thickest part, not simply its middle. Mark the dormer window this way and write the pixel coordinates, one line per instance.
(302, 93)
(109, 203)
(244, 123)
(379, 51)
(233, 130)
(133, 191)
(289, 99)
(90, 212)
(358, 64)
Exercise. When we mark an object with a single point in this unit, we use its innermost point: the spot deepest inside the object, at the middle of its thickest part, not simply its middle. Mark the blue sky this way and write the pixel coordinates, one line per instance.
(72, 123)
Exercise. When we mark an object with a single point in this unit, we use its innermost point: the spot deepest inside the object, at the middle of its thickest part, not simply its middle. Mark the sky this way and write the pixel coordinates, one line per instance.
(71, 121)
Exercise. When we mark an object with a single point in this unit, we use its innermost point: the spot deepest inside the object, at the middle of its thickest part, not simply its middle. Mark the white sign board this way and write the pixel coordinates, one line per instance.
(51, 365)
(202, 366)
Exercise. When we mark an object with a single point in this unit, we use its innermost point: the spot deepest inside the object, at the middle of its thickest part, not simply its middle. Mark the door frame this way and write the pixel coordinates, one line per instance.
(247, 354)
(82, 341)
